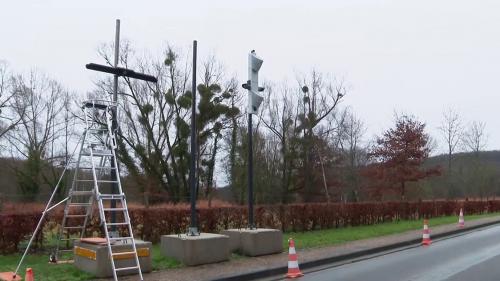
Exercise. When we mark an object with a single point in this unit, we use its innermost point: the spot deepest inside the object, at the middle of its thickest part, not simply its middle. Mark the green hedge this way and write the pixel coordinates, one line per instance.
(150, 223)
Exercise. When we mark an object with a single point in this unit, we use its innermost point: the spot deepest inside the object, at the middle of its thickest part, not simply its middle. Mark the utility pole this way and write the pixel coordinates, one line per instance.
(254, 101)
(117, 71)
(114, 127)
(193, 226)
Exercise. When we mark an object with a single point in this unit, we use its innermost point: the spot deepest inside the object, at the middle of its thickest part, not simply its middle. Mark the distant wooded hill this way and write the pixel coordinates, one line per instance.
(491, 157)
(10, 191)
(472, 175)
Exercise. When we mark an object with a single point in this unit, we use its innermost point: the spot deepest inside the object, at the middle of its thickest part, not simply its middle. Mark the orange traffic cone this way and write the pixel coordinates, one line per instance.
(461, 222)
(29, 275)
(293, 264)
(426, 237)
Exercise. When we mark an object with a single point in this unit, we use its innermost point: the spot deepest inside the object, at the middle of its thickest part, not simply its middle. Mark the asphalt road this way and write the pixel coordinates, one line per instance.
(468, 257)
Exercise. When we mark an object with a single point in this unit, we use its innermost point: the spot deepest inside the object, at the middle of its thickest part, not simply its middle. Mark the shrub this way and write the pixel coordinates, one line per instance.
(18, 222)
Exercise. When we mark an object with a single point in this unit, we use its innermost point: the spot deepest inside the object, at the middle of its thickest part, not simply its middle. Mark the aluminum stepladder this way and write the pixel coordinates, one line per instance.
(91, 184)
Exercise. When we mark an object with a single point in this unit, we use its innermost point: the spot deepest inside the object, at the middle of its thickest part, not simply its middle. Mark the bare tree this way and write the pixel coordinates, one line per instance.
(213, 71)
(475, 138)
(7, 94)
(38, 102)
(478, 176)
(231, 141)
(452, 131)
(352, 134)
(320, 99)
(216, 112)
(327, 151)
(62, 157)
(281, 118)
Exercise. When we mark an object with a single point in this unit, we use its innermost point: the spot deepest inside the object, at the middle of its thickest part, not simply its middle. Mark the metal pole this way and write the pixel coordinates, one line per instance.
(193, 227)
(117, 54)
(251, 224)
(114, 126)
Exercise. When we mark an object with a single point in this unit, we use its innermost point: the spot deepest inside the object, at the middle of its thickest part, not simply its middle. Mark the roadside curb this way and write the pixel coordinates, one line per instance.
(270, 272)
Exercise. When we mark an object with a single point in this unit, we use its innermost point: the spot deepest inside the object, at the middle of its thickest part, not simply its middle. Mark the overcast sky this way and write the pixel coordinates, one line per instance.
(418, 57)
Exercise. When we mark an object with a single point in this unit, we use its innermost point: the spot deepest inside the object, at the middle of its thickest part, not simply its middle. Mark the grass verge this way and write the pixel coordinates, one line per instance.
(329, 237)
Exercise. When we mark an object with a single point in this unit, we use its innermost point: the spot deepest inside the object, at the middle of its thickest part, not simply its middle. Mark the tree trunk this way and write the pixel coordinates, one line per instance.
(403, 191)
(284, 186)
(211, 169)
(308, 181)
(324, 178)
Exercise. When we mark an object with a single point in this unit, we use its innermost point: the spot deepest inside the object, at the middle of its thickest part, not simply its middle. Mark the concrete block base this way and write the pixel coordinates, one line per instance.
(94, 258)
(195, 250)
(255, 242)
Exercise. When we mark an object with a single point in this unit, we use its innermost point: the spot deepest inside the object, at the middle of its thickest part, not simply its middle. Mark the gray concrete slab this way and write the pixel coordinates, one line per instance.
(95, 260)
(234, 238)
(255, 242)
(195, 250)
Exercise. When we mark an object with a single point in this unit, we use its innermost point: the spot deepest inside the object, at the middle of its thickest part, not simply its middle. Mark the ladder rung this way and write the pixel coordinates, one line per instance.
(97, 154)
(97, 167)
(96, 150)
(102, 154)
(79, 204)
(97, 129)
(76, 216)
(103, 181)
(113, 209)
(91, 104)
(111, 196)
(100, 151)
(116, 223)
(82, 192)
(126, 268)
(73, 227)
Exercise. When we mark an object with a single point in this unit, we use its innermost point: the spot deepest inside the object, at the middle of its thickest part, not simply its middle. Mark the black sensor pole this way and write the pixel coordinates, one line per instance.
(251, 224)
(193, 226)
(254, 101)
